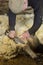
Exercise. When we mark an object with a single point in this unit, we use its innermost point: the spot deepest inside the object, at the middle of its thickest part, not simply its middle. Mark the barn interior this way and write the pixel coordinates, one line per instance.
(8, 46)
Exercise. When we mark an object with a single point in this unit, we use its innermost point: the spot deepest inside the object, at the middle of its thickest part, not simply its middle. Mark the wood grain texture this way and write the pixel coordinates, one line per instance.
(3, 6)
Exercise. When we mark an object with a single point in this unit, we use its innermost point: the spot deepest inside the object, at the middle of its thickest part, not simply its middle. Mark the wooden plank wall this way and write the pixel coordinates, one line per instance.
(3, 6)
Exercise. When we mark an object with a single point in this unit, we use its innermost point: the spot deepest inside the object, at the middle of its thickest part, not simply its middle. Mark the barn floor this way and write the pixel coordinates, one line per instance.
(21, 60)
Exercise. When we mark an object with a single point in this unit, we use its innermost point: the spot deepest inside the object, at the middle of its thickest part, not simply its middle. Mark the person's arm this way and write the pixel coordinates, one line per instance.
(12, 19)
(37, 17)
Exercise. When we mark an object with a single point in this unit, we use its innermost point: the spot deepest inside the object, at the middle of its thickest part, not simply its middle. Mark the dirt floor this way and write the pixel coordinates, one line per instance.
(20, 60)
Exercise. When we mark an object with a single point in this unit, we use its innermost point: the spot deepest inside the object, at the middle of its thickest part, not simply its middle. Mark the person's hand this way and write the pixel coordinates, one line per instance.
(25, 36)
(12, 34)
